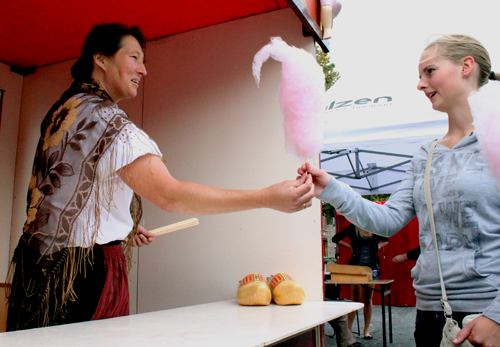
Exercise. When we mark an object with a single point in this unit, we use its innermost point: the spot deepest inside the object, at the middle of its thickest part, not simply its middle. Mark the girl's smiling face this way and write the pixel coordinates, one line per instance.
(440, 80)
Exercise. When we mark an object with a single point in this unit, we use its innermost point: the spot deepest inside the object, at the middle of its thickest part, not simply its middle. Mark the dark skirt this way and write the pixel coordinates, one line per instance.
(42, 293)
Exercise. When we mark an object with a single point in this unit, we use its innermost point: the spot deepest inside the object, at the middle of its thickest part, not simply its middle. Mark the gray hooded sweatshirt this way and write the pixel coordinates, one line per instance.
(466, 205)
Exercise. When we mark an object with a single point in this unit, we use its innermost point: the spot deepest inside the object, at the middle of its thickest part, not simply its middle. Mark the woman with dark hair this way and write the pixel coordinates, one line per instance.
(91, 165)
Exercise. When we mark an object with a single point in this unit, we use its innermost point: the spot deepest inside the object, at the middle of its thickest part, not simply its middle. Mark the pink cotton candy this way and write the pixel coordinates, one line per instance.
(301, 96)
(485, 107)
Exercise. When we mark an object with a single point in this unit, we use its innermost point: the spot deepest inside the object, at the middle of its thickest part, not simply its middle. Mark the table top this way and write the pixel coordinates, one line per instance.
(221, 324)
(381, 281)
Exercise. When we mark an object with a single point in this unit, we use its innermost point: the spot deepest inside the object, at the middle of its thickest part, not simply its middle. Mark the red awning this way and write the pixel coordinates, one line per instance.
(35, 33)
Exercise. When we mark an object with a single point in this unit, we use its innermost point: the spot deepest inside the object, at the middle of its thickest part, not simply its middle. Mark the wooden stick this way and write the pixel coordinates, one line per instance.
(176, 226)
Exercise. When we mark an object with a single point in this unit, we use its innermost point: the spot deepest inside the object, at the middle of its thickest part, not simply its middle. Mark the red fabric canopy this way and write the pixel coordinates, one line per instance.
(36, 33)
(402, 292)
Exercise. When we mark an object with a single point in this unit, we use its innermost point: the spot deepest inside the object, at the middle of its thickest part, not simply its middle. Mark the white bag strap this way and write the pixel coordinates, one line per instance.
(428, 200)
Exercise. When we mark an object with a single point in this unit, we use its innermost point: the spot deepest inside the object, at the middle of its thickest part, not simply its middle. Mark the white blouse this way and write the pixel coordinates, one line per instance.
(114, 195)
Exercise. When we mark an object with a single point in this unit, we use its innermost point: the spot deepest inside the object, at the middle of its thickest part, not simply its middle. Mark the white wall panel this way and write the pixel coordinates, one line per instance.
(215, 127)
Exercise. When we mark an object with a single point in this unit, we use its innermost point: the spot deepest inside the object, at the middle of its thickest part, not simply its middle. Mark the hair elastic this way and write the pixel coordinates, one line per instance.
(492, 75)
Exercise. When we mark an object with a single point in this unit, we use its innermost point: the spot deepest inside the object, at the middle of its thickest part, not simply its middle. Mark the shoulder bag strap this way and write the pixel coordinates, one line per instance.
(428, 200)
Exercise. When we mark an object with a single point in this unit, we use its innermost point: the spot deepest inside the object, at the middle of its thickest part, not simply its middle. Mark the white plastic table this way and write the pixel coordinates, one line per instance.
(221, 324)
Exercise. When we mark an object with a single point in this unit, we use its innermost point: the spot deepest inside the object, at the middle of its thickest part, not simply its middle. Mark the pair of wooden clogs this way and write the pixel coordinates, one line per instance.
(255, 291)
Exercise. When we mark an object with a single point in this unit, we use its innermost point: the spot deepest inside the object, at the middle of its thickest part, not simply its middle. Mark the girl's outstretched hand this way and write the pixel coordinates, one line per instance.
(320, 177)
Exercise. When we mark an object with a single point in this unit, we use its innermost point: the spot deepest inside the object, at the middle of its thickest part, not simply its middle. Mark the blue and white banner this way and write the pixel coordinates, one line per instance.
(375, 105)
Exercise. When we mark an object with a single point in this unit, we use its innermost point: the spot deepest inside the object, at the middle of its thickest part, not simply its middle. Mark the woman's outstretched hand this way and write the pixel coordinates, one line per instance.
(320, 178)
(143, 237)
(291, 196)
(149, 177)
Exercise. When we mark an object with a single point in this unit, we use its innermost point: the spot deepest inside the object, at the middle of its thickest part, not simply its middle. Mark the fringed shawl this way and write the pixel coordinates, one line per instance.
(65, 189)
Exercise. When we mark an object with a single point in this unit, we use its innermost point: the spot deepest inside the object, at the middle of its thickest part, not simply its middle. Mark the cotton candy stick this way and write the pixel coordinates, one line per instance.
(302, 91)
(485, 108)
(176, 226)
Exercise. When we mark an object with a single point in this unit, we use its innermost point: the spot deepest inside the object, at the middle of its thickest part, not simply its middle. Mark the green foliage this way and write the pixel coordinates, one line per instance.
(377, 197)
(327, 260)
(331, 76)
(328, 212)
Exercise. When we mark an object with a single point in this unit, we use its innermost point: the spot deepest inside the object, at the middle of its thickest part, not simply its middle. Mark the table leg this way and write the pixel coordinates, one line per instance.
(382, 297)
(317, 332)
(390, 312)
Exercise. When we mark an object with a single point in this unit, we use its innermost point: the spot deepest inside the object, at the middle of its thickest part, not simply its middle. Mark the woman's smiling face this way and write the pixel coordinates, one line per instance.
(124, 70)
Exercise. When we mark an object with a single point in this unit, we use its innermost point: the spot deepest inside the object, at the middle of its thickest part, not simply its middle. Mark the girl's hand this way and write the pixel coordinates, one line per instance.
(482, 331)
(320, 177)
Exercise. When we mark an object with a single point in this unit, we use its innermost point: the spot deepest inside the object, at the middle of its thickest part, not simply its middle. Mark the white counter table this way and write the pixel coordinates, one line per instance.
(221, 324)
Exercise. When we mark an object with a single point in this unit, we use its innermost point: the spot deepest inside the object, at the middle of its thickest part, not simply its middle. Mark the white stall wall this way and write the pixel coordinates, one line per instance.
(12, 84)
(215, 127)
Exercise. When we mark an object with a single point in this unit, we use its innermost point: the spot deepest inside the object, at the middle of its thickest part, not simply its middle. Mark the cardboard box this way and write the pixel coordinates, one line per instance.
(349, 273)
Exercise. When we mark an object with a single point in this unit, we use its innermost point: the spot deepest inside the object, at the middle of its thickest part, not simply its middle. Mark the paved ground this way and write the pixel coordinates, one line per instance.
(403, 323)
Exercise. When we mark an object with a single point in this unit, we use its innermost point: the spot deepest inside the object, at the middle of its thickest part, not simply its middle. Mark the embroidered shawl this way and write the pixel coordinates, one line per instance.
(76, 136)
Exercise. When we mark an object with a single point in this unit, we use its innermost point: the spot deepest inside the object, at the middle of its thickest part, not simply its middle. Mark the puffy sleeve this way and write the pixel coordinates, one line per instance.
(114, 195)
(131, 144)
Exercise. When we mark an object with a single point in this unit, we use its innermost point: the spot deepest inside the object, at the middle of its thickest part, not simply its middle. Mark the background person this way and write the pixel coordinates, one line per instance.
(411, 255)
(364, 247)
(343, 334)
